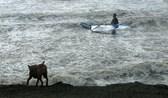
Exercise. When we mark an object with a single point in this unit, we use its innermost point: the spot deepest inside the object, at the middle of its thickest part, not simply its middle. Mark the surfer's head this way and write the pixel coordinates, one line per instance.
(114, 15)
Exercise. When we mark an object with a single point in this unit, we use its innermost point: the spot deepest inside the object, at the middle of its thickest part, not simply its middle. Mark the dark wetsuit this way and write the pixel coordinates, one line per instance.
(114, 22)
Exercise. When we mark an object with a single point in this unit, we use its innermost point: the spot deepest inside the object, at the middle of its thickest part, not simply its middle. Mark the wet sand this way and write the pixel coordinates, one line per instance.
(60, 90)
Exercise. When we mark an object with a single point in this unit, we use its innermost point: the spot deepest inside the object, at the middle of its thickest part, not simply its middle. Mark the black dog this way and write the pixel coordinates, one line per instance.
(37, 71)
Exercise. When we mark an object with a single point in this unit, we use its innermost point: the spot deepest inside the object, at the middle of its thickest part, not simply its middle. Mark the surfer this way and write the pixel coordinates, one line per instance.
(114, 22)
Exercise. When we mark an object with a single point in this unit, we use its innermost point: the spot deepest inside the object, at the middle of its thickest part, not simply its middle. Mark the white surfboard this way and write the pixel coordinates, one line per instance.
(104, 28)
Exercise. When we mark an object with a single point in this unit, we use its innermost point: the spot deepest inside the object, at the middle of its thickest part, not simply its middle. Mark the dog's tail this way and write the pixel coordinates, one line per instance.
(43, 62)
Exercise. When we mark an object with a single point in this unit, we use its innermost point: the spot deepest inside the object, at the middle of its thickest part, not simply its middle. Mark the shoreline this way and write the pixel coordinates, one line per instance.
(60, 90)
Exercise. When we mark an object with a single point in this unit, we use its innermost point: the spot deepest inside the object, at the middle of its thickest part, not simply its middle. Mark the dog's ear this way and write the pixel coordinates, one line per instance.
(29, 66)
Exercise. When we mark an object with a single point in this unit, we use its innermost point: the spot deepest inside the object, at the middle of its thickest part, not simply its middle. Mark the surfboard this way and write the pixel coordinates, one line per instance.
(85, 25)
(106, 27)
(102, 27)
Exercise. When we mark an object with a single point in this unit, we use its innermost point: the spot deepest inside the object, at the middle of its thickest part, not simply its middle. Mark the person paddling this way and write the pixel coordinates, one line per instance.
(114, 22)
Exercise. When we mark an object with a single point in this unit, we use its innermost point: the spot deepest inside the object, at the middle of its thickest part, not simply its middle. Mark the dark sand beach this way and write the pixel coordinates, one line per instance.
(60, 90)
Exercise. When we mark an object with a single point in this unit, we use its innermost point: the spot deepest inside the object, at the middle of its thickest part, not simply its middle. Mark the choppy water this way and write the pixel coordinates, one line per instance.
(32, 31)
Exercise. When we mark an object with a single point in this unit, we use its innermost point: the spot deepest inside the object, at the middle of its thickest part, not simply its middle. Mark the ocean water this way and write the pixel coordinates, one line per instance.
(33, 31)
